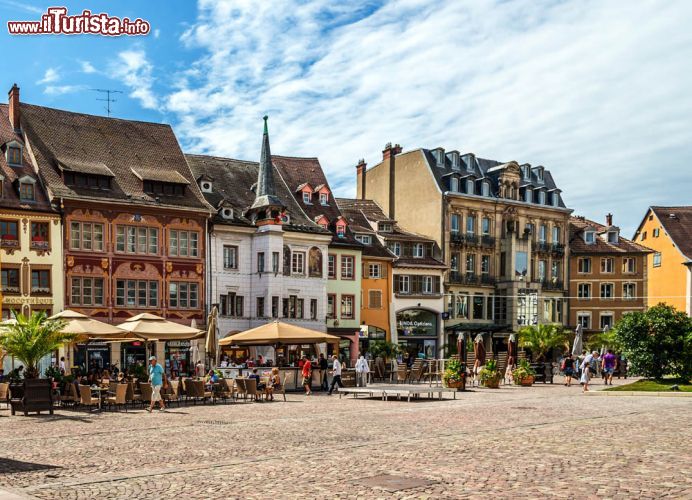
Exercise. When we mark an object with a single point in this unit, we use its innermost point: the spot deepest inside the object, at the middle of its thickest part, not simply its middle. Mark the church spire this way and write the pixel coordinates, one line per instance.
(266, 205)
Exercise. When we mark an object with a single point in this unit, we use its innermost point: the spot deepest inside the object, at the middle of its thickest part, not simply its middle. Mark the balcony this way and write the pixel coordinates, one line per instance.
(40, 245)
(9, 241)
(468, 239)
(487, 241)
(557, 249)
(457, 278)
(543, 247)
(486, 279)
(552, 285)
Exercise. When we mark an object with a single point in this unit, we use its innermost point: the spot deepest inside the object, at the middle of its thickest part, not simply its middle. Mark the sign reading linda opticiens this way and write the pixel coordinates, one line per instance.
(417, 322)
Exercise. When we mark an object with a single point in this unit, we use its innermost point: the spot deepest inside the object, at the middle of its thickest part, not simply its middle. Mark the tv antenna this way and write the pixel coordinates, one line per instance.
(108, 99)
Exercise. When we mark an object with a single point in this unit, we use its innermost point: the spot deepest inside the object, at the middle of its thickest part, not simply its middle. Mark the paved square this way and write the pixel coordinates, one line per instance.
(511, 442)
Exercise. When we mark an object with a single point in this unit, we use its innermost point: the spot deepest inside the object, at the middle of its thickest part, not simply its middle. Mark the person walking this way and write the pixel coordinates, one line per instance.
(323, 372)
(336, 375)
(307, 375)
(568, 368)
(608, 366)
(362, 370)
(156, 379)
(587, 369)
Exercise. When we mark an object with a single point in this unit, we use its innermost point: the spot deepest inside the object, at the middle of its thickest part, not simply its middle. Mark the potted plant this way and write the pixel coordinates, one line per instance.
(490, 376)
(523, 374)
(454, 376)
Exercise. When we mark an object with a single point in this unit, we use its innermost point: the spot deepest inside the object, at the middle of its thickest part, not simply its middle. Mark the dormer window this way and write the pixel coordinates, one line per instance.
(324, 199)
(163, 188)
(418, 251)
(86, 180)
(541, 197)
(555, 199)
(454, 184)
(525, 172)
(455, 160)
(385, 227)
(613, 236)
(439, 155)
(589, 237)
(307, 198)
(528, 195)
(27, 188)
(341, 230)
(539, 174)
(227, 213)
(485, 189)
(205, 186)
(365, 239)
(14, 155)
(470, 186)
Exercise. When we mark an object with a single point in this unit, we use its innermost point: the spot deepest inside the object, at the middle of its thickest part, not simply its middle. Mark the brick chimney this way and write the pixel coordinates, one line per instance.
(388, 154)
(390, 151)
(609, 220)
(14, 106)
(360, 179)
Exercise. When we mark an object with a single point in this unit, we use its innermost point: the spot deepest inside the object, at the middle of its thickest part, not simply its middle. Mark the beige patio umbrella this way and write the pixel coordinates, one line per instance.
(151, 327)
(87, 328)
(279, 333)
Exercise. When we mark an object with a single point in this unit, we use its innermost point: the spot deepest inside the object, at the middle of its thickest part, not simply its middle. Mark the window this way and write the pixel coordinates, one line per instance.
(87, 291)
(454, 224)
(375, 299)
(40, 235)
(313, 308)
(541, 197)
(260, 307)
(275, 262)
(307, 198)
(528, 229)
(606, 321)
(629, 291)
(86, 236)
(485, 264)
(331, 266)
(470, 263)
(478, 307)
(528, 195)
(385, 227)
(365, 239)
(315, 263)
(404, 284)
(607, 265)
(643, 236)
(584, 320)
(612, 237)
(427, 284)
(260, 262)
(183, 295)
(485, 225)
(470, 225)
(656, 232)
(347, 265)
(590, 237)
(395, 248)
(584, 265)
(542, 266)
(40, 281)
(375, 271)
(324, 199)
(298, 263)
(92, 181)
(331, 306)
(584, 290)
(10, 280)
(462, 306)
(275, 307)
(485, 189)
(136, 293)
(606, 290)
(629, 265)
(183, 243)
(657, 259)
(347, 302)
(132, 239)
(341, 230)
(542, 233)
(555, 199)
(9, 230)
(230, 257)
(26, 191)
(14, 155)
(232, 305)
(163, 188)
(454, 184)
(470, 186)
(418, 251)
(555, 270)
(556, 234)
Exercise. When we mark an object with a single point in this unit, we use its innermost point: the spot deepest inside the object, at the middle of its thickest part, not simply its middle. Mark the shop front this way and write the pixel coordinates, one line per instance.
(417, 332)
(369, 334)
(178, 357)
(133, 354)
(93, 356)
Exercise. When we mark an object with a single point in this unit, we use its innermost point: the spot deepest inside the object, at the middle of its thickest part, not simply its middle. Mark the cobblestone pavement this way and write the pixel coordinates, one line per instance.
(519, 442)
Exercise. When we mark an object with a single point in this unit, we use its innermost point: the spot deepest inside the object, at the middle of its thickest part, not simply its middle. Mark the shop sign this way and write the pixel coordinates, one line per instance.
(178, 343)
(417, 322)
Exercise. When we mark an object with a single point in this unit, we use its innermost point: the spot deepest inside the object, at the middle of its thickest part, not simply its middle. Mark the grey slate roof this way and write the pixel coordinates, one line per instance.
(265, 191)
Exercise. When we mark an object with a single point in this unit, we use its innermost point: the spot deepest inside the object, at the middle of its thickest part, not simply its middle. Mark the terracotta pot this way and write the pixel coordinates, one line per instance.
(492, 383)
(528, 381)
(454, 384)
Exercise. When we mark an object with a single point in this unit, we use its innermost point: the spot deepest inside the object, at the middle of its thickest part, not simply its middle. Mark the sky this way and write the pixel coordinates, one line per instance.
(597, 91)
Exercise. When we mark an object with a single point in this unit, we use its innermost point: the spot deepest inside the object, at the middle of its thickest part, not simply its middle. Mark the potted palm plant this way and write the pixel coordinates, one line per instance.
(540, 340)
(523, 374)
(490, 376)
(28, 340)
(454, 376)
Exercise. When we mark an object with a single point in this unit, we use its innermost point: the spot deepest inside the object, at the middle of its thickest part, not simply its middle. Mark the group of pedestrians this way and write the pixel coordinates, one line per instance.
(362, 369)
(586, 366)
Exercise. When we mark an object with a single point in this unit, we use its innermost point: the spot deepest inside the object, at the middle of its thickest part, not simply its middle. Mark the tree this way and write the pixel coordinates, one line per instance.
(657, 342)
(31, 338)
(540, 339)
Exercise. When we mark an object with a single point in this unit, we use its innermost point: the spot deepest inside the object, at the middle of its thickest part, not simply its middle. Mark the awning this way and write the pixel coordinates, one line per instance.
(278, 333)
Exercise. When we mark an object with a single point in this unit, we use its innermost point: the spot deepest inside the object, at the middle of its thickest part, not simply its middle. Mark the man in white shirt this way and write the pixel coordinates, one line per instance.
(586, 369)
(336, 375)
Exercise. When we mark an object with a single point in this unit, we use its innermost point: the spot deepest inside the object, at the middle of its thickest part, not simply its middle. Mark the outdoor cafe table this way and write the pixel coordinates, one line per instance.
(99, 391)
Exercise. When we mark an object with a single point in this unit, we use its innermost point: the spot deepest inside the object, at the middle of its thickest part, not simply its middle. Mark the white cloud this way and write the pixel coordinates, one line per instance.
(135, 71)
(51, 75)
(55, 90)
(596, 91)
(21, 6)
(87, 67)
(157, 33)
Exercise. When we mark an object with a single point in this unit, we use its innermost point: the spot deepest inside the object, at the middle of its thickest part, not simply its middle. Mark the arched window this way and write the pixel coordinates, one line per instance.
(470, 186)
(485, 187)
(315, 263)
(454, 185)
(287, 260)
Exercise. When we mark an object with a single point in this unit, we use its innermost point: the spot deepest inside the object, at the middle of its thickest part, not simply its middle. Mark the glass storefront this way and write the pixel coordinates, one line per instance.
(93, 356)
(178, 357)
(131, 354)
(417, 330)
(368, 334)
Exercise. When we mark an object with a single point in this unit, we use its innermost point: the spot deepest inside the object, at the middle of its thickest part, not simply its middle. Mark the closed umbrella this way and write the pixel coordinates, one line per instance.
(578, 345)
(511, 350)
(461, 346)
(479, 349)
(210, 344)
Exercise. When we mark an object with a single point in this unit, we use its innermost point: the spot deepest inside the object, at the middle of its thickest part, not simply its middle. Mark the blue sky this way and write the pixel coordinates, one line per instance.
(596, 91)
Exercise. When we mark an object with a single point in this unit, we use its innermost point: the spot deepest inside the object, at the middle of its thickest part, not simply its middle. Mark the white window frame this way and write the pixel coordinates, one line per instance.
(625, 294)
(590, 237)
(418, 251)
(607, 265)
(612, 291)
(324, 199)
(528, 195)
(485, 189)
(606, 314)
(454, 218)
(657, 259)
(470, 186)
(625, 266)
(587, 315)
(374, 271)
(454, 185)
(428, 286)
(298, 263)
(581, 288)
(230, 257)
(404, 284)
(580, 265)
(307, 198)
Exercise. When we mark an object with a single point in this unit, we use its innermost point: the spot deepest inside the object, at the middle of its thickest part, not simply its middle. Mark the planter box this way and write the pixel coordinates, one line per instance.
(34, 395)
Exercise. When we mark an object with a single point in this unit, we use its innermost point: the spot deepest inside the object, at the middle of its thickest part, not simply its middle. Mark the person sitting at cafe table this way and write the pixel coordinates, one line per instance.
(211, 379)
(255, 375)
(274, 383)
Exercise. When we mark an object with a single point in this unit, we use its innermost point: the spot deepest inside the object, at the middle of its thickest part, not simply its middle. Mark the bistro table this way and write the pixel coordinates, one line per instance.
(99, 391)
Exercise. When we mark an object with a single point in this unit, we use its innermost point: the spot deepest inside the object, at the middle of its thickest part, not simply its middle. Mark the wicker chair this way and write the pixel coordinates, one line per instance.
(120, 398)
(85, 397)
(251, 389)
(172, 394)
(5, 394)
(242, 389)
(146, 392)
(401, 373)
(225, 392)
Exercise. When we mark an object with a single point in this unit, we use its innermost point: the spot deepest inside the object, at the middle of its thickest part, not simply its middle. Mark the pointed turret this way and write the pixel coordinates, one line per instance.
(267, 207)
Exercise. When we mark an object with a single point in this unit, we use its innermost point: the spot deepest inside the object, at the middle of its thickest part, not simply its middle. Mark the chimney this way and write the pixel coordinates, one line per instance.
(388, 154)
(360, 179)
(609, 220)
(14, 106)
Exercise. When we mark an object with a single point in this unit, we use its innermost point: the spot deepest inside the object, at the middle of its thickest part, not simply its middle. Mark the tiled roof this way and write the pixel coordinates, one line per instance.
(413, 262)
(359, 224)
(677, 222)
(232, 185)
(122, 146)
(10, 198)
(577, 225)
(297, 171)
